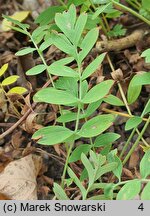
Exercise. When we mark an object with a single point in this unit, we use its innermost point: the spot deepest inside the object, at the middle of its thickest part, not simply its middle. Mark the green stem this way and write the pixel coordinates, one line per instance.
(42, 58)
(124, 99)
(80, 96)
(44, 62)
(76, 127)
(131, 11)
(106, 23)
(127, 143)
(62, 3)
(127, 107)
(66, 164)
(91, 142)
(133, 4)
(125, 182)
(129, 112)
(101, 22)
(136, 142)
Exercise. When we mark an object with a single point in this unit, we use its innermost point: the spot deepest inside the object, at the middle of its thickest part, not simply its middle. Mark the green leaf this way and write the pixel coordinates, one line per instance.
(113, 100)
(66, 21)
(98, 186)
(98, 91)
(146, 54)
(88, 42)
(145, 165)
(100, 10)
(36, 70)
(142, 79)
(47, 43)
(129, 190)
(91, 68)
(106, 149)
(84, 175)
(84, 88)
(57, 68)
(98, 197)
(9, 80)
(77, 182)
(117, 31)
(17, 90)
(146, 108)
(90, 24)
(96, 125)
(146, 4)
(145, 195)
(48, 15)
(59, 192)
(76, 154)
(54, 96)
(79, 27)
(112, 157)
(92, 107)
(75, 2)
(61, 42)
(68, 117)
(63, 61)
(16, 22)
(105, 169)
(39, 33)
(133, 122)
(89, 168)
(25, 51)
(97, 159)
(69, 84)
(19, 30)
(72, 116)
(105, 139)
(3, 69)
(108, 191)
(133, 91)
(52, 135)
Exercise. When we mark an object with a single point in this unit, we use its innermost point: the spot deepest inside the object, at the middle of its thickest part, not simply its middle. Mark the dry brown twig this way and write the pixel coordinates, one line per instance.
(122, 43)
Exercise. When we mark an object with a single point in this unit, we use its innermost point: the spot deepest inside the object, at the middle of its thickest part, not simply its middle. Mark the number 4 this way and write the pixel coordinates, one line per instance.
(141, 207)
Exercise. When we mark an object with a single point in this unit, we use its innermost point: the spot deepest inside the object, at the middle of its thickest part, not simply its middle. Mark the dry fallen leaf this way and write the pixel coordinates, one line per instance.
(134, 160)
(18, 180)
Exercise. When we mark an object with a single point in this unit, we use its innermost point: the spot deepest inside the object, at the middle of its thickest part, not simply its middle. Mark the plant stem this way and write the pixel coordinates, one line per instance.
(136, 142)
(106, 23)
(91, 142)
(62, 3)
(127, 107)
(121, 114)
(42, 58)
(131, 11)
(101, 21)
(124, 98)
(125, 182)
(133, 4)
(44, 62)
(66, 164)
(76, 126)
(127, 143)
(79, 95)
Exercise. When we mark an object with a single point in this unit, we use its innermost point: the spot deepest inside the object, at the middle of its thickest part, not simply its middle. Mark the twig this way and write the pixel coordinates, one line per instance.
(121, 114)
(122, 43)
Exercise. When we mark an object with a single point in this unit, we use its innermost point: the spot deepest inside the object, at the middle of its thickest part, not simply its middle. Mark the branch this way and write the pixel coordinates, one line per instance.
(122, 43)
